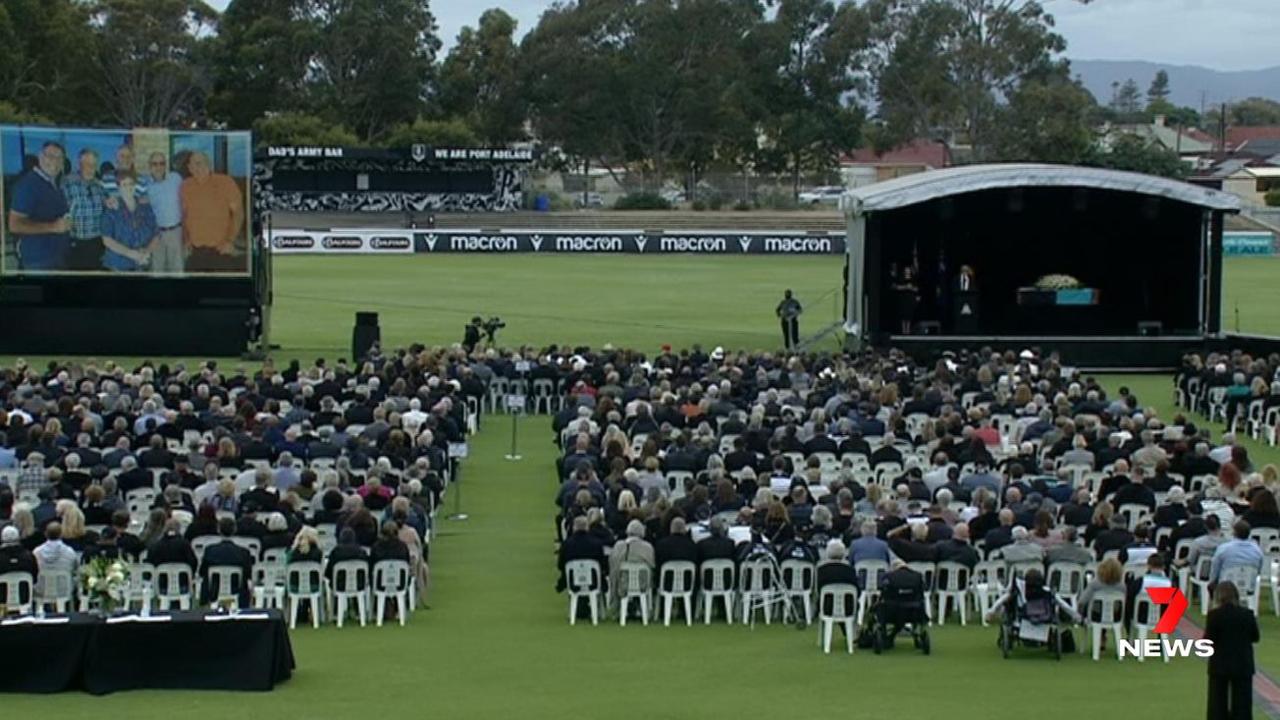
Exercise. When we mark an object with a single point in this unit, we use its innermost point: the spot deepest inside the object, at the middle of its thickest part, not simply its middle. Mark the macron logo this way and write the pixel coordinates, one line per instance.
(1175, 607)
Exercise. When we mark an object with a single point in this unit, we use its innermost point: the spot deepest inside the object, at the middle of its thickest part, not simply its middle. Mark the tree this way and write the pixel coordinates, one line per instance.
(1126, 101)
(952, 62)
(151, 57)
(294, 128)
(437, 133)
(46, 59)
(1159, 89)
(817, 49)
(261, 57)
(373, 62)
(644, 82)
(1046, 120)
(1173, 115)
(1133, 153)
(1249, 112)
(479, 80)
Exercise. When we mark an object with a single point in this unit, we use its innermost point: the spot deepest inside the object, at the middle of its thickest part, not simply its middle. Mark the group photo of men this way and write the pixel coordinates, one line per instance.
(93, 201)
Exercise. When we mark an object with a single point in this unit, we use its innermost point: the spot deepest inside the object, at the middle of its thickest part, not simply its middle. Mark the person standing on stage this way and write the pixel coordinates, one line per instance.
(38, 213)
(788, 311)
(168, 255)
(966, 281)
(908, 296)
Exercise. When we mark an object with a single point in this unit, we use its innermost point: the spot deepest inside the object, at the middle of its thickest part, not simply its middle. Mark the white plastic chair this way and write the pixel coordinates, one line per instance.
(1247, 581)
(635, 582)
(1199, 579)
(717, 583)
(304, 582)
(799, 578)
(837, 605)
(269, 584)
(1066, 580)
(351, 582)
(1145, 616)
(869, 573)
(952, 587)
(141, 590)
(391, 581)
(174, 584)
(227, 580)
(201, 543)
(1109, 607)
(990, 578)
(676, 582)
(55, 588)
(584, 580)
(252, 544)
(755, 589)
(14, 586)
(1134, 513)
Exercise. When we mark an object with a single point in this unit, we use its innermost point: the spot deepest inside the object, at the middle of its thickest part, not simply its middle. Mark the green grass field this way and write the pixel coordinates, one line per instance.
(496, 642)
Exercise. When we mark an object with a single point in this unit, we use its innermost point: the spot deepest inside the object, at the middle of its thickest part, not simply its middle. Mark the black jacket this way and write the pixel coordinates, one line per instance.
(172, 549)
(226, 553)
(715, 548)
(579, 546)
(1233, 630)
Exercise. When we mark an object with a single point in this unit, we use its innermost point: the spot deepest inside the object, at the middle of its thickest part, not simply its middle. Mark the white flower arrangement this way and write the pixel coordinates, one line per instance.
(105, 582)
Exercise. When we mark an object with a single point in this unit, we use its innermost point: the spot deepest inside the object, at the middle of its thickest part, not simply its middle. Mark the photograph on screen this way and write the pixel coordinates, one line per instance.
(144, 201)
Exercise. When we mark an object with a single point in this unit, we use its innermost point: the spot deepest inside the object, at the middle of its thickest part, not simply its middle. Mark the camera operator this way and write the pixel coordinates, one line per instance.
(471, 334)
(491, 327)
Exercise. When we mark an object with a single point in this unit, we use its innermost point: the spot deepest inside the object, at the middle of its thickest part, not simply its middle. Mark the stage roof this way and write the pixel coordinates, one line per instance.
(934, 184)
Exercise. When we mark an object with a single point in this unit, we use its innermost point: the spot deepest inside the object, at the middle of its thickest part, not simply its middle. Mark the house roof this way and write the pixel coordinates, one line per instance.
(929, 153)
(1261, 171)
(926, 186)
(1242, 134)
(1188, 142)
(1260, 148)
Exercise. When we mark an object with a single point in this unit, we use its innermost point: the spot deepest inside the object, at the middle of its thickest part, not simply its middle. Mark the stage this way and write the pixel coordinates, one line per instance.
(1111, 269)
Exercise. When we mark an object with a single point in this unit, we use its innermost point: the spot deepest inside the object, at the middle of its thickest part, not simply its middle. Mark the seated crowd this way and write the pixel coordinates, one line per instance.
(204, 467)
(991, 460)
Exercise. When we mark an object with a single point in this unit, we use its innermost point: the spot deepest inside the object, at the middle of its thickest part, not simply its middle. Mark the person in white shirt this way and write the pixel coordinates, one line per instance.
(53, 555)
(1222, 453)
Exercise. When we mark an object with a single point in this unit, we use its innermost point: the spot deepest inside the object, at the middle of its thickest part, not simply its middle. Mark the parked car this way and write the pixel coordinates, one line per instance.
(592, 200)
(675, 196)
(825, 195)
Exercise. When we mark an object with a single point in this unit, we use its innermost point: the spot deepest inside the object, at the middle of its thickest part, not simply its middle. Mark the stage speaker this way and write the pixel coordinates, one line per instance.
(364, 335)
(1150, 328)
(928, 327)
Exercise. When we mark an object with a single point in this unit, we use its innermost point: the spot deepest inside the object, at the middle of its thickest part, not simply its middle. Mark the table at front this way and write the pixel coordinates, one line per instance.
(189, 651)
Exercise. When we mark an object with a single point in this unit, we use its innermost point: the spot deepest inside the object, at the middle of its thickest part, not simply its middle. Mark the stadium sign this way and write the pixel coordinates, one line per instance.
(1248, 243)
(634, 242)
(624, 242)
(341, 241)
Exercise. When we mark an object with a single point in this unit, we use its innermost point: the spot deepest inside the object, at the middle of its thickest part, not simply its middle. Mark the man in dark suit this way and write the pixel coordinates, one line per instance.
(226, 554)
(1135, 493)
(677, 545)
(854, 444)
(580, 545)
(14, 557)
(1193, 528)
(820, 442)
(172, 547)
(886, 453)
(132, 477)
(1233, 630)
(717, 546)
(1003, 534)
(740, 457)
(263, 497)
(957, 548)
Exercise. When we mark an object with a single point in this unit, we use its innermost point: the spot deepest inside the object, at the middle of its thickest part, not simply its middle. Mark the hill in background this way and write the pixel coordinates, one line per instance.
(1186, 82)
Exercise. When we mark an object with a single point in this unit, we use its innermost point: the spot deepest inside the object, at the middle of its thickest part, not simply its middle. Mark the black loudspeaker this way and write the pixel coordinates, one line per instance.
(1150, 328)
(364, 335)
(928, 327)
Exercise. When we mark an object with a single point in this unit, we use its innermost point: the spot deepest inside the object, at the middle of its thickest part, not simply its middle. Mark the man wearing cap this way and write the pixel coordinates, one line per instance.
(14, 557)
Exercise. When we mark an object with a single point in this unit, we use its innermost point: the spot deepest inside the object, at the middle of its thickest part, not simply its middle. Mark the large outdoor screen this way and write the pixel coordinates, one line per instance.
(142, 202)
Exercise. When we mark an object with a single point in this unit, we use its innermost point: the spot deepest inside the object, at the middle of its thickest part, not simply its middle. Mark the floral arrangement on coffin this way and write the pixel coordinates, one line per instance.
(1058, 281)
(105, 583)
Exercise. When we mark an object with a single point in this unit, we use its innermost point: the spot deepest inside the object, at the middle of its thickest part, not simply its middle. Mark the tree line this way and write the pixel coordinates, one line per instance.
(660, 86)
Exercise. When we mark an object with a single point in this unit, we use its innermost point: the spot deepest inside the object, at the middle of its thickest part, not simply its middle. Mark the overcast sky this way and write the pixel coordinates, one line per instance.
(1220, 34)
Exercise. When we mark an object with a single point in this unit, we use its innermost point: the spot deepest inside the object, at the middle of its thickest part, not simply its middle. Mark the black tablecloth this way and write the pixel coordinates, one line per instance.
(188, 652)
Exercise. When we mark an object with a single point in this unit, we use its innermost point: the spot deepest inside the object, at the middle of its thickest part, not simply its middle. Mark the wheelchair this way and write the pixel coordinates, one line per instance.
(1031, 619)
(890, 616)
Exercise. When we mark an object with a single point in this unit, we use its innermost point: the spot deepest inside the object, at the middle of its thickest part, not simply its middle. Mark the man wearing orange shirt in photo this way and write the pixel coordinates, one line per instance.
(212, 219)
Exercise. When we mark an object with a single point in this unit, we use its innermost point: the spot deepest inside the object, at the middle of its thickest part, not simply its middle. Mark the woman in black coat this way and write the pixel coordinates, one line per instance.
(1233, 630)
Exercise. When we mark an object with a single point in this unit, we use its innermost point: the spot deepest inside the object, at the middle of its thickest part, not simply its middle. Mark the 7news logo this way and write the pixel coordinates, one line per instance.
(1175, 606)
